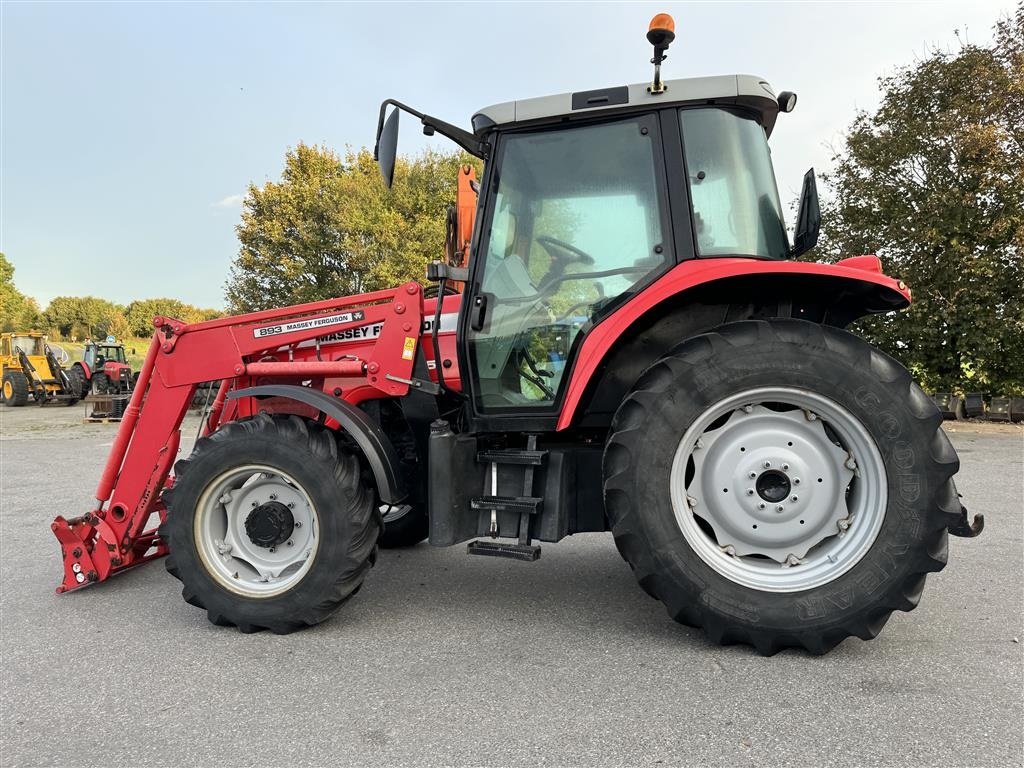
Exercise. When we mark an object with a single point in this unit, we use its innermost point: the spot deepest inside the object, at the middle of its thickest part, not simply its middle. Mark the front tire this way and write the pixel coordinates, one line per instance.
(101, 384)
(802, 556)
(15, 389)
(270, 524)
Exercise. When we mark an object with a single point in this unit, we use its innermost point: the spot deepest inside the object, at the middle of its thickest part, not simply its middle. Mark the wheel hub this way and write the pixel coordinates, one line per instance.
(269, 524)
(773, 486)
(779, 489)
(256, 530)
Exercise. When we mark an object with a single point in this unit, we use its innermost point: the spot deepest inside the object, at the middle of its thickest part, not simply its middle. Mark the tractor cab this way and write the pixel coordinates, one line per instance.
(589, 197)
(32, 344)
(96, 356)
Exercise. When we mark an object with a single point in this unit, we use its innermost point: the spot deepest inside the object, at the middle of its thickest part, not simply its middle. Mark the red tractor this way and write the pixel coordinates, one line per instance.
(103, 369)
(631, 348)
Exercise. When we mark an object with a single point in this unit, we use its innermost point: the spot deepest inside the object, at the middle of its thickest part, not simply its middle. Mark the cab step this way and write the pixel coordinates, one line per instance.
(511, 456)
(527, 552)
(529, 505)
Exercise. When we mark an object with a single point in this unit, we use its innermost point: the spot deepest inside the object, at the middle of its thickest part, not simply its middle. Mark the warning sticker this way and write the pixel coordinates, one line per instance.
(410, 348)
(305, 325)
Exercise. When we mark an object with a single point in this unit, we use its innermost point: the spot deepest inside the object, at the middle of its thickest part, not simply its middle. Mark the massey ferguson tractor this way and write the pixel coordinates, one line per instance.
(620, 340)
(103, 369)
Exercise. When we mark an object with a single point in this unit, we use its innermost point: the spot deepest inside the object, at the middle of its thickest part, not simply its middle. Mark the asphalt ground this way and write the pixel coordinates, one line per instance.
(448, 659)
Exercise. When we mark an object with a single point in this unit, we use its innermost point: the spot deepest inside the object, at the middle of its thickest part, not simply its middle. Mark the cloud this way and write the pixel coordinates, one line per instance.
(231, 201)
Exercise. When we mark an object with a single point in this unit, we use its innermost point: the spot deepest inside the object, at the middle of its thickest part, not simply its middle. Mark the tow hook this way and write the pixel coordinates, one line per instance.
(963, 527)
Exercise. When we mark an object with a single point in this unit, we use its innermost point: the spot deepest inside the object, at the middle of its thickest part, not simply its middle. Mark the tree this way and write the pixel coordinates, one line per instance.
(330, 227)
(933, 182)
(18, 312)
(84, 316)
(140, 313)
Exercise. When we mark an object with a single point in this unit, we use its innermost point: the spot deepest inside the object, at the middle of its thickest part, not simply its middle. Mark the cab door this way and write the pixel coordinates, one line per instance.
(575, 222)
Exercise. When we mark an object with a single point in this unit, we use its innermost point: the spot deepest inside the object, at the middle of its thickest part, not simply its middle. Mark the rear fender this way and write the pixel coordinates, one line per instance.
(86, 370)
(698, 295)
(376, 447)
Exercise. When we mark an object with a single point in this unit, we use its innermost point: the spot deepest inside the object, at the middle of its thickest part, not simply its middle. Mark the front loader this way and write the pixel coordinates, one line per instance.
(618, 339)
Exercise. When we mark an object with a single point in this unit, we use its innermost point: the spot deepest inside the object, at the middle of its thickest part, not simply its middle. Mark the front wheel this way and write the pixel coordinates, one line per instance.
(780, 484)
(270, 524)
(15, 389)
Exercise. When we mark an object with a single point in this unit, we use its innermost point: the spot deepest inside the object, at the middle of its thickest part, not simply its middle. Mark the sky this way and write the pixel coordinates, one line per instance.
(130, 131)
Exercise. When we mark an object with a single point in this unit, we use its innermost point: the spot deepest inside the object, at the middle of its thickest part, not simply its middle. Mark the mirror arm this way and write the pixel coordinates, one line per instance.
(464, 139)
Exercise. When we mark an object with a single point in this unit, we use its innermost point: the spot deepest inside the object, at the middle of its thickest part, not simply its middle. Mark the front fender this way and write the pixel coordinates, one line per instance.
(379, 452)
(848, 289)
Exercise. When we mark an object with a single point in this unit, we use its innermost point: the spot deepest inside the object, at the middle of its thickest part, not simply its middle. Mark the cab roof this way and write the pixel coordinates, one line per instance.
(748, 91)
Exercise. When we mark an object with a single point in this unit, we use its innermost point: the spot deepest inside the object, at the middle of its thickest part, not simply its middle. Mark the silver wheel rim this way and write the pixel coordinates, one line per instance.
(743, 452)
(225, 547)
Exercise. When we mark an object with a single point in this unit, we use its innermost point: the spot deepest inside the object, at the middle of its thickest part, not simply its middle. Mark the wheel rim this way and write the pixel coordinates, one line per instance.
(256, 531)
(8, 390)
(778, 489)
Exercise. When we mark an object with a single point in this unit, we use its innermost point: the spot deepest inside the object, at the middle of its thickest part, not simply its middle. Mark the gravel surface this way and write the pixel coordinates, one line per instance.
(448, 659)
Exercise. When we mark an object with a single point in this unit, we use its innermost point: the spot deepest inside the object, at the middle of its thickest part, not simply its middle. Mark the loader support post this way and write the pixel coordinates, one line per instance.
(124, 433)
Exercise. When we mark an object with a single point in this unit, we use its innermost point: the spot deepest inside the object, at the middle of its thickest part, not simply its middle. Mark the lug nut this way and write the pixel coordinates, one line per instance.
(767, 465)
(289, 543)
(780, 508)
(298, 523)
(761, 505)
(795, 498)
(291, 505)
(785, 467)
(273, 497)
(253, 504)
(273, 549)
(796, 481)
(752, 475)
(750, 491)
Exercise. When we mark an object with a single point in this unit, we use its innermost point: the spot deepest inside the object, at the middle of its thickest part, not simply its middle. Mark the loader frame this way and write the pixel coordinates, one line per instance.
(255, 353)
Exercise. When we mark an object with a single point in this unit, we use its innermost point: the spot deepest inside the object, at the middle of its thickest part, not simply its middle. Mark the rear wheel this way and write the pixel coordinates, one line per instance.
(270, 525)
(15, 389)
(76, 384)
(780, 484)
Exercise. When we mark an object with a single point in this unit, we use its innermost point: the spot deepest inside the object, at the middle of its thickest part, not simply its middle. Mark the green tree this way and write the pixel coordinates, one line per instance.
(140, 313)
(933, 182)
(80, 316)
(330, 227)
(18, 312)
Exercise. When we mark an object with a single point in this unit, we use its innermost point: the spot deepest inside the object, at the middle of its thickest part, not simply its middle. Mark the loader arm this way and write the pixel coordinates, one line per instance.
(272, 347)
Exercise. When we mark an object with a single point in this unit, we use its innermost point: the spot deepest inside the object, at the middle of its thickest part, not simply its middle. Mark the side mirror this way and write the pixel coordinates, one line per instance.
(387, 148)
(808, 217)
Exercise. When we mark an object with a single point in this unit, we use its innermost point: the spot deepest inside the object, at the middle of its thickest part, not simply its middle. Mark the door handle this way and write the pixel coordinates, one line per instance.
(479, 311)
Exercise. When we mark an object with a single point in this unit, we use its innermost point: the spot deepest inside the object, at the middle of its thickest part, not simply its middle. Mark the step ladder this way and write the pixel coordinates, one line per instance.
(527, 505)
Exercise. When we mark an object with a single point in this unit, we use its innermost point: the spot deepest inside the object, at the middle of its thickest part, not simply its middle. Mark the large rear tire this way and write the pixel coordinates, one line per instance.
(15, 389)
(780, 484)
(270, 524)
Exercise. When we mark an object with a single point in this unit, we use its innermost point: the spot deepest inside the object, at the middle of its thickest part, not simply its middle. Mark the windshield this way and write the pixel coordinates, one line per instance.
(28, 344)
(736, 210)
(113, 353)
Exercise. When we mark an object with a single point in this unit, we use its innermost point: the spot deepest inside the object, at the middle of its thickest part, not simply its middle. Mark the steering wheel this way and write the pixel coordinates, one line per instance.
(551, 244)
